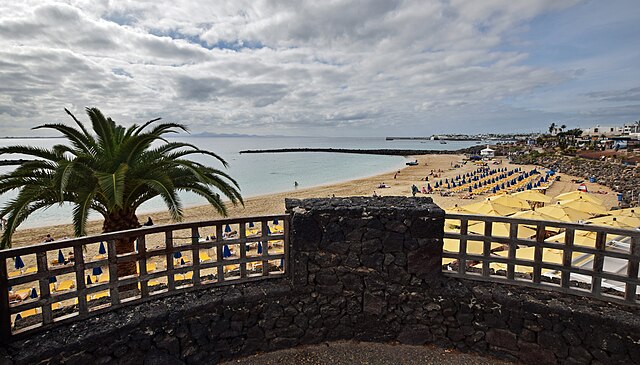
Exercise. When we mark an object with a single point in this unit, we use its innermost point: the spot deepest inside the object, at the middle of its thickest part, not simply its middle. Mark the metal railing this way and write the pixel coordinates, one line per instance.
(584, 259)
(169, 259)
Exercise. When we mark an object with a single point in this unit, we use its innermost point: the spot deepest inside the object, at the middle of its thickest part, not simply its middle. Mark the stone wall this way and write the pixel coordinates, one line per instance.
(362, 268)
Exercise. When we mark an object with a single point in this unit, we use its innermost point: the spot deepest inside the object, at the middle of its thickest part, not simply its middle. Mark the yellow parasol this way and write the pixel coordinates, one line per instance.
(617, 222)
(532, 214)
(473, 247)
(629, 212)
(563, 213)
(582, 238)
(488, 207)
(532, 196)
(584, 205)
(457, 209)
(578, 194)
(510, 201)
(502, 229)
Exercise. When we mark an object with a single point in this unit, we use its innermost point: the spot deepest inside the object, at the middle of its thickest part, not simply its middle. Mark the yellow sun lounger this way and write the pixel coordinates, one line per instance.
(204, 256)
(65, 285)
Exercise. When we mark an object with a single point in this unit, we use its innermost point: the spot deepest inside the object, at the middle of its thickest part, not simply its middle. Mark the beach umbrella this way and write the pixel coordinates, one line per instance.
(473, 247)
(227, 228)
(275, 221)
(34, 293)
(585, 206)
(97, 271)
(457, 209)
(181, 261)
(503, 229)
(281, 263)
(259, 248)
(61, 259)
(629, 212)
(52, 279)
(582, 238)
(251, 225)
(572, 195)
(617, 222)
(177, 255)
(532, 196)
(470, 190)
(18, 317)
(19, 264)
(89, 282)
(268, 230)
(563, 213)
(102, 250)
(488, 207)
(510, 201)
(533, 214)
(225, 251)
(428, 186)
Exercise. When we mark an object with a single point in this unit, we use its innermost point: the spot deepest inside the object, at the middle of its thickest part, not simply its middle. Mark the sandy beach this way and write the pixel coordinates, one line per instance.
(274, 203)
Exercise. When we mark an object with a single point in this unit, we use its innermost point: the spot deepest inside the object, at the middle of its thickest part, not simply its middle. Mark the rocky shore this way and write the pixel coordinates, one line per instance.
(621, 178)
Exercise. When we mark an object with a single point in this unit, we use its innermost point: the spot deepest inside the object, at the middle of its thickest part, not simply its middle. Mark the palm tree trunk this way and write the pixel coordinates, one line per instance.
(119, 221)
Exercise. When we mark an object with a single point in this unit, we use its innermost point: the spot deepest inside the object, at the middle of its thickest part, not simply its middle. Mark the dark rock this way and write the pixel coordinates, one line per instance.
(160, 358)
(416, 334)
(530, 353)
(502, 339)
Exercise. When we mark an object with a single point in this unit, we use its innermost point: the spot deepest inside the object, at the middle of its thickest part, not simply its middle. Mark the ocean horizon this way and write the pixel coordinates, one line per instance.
(260, 174)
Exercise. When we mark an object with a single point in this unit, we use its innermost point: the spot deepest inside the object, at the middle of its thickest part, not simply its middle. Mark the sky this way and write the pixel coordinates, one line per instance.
(322, 68)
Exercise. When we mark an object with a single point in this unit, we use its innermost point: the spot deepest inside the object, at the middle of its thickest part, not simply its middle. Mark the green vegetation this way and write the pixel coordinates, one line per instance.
(112, 172)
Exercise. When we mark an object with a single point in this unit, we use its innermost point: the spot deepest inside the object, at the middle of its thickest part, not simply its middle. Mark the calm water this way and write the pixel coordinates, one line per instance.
(260, 174)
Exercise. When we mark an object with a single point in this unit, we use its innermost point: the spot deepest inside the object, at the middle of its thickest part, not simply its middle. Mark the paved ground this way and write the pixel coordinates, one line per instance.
(361, 353)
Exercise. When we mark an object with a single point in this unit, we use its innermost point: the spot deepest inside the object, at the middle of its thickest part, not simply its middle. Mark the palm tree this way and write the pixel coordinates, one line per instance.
(552, 128)
(562, 127)
(112, 172)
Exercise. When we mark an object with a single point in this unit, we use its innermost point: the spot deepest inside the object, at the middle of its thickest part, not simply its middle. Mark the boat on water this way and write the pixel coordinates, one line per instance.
(412, 163)
(443, 141)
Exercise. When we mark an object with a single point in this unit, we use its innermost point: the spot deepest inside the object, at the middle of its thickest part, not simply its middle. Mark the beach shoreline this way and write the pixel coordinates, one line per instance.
(273, 203)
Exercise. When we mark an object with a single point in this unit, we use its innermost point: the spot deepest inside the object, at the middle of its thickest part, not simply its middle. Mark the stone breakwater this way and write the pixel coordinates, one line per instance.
(622, 179)
(361, 268)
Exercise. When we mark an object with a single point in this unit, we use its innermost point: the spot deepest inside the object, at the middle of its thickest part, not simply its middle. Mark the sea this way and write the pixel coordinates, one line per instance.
(258, 174)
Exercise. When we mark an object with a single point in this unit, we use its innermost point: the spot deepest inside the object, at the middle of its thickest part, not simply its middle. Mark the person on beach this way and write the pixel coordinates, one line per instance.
(295, 184)
(375, 195)
(149, 222)
(48, 239)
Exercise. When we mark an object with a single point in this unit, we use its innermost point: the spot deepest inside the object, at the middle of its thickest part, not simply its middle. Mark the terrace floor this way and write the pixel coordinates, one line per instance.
(360, 353)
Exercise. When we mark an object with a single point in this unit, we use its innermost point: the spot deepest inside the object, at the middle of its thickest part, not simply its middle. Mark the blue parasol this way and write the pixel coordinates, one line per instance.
(281, 263)
(102, 250)
(177, 255)
(225, 251)
(259, 248)
(268, 231)
(19, 264)
(34, 293)
(61, 259)
(181, 261)
(97, 271)
(275, 221)
(89, 282)
(251, 225)
(227, 229)
(52, 279)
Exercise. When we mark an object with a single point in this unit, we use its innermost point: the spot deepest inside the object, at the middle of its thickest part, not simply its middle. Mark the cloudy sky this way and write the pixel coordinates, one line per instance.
(333, 68)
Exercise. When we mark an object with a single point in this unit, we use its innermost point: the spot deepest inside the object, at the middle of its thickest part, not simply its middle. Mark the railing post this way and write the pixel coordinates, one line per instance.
(287, 224)
(598, 263)
(195, 252)
(265, 249)
(537, 254)
(168, 242)
(78, 258)
(114, 291)
(513, 235)
(632, 270)
(567, 257)
(142, 265)
(464, 230)
(41, 262)
(486, 248)
(5, 317)
(219, 249)
(242, 227)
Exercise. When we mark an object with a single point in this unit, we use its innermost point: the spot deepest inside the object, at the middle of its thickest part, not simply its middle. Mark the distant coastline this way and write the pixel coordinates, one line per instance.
(387, 152)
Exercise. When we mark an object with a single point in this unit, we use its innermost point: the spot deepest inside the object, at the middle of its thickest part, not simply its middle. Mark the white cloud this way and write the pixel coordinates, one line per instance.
(293, 67)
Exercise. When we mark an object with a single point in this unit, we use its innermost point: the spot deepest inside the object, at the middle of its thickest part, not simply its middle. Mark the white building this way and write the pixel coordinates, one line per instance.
(487, 152)
(604, 130)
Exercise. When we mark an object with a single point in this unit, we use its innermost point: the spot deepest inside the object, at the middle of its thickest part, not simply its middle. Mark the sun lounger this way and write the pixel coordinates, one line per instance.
(204, 256)
(100, 294)
(29, 312)
(65, 285)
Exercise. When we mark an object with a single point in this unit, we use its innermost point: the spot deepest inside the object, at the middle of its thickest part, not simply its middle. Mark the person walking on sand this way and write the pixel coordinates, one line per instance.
(295, 184)
(48, 239)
